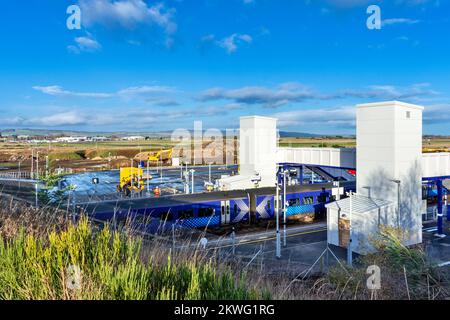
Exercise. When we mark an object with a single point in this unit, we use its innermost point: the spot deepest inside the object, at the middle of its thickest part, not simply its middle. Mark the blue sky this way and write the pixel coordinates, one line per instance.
(160, 65)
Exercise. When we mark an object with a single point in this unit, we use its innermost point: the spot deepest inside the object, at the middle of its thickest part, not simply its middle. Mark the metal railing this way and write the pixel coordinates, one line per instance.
(15, 175)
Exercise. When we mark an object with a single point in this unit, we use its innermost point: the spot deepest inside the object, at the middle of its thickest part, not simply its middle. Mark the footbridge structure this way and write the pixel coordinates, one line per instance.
(433, 165)
(388, 161)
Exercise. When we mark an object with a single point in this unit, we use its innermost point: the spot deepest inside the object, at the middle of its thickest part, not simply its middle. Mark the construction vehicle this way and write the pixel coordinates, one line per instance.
(209, 186)
(435, 150)
(132, 180)
(162, 156)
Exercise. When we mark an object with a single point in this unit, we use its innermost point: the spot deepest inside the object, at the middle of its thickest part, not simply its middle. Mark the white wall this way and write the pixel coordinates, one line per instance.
(435, 164)
(258, 148)
(389, 146)
(365, 227)
(333, 157)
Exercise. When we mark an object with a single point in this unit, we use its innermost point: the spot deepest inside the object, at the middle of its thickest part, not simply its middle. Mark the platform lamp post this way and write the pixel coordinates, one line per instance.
(398, 182)
(37, 165)
(148, 176)
(284, 207)
(186, 182)
(349, 246)
(132, 178)
(192, 171)
(181, 170)
(447, 205)
(20, 174)
(161, 161)
(47, 165)
(277, 219)
(440, 214)
(36, 192)
(186, 179)
(32, 163)
(209, 172)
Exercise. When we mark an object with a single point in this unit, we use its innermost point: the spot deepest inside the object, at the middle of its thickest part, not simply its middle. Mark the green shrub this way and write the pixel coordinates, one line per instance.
(112, 267)
(406, 272)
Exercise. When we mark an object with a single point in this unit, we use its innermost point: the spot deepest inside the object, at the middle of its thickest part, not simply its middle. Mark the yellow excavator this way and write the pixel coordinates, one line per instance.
(131, 180)
(435, 150)
(162, 156)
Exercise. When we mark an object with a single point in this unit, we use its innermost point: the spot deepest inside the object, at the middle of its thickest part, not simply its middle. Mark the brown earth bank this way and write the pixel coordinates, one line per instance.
(93, 156)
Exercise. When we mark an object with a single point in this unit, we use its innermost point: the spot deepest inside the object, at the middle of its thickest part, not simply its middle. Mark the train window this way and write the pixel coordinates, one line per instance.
(205, 212)
(268, 204)
(294, 202)
(235, 209)
(228, 210)
(185, 214)
(308, 200)
(223, 210)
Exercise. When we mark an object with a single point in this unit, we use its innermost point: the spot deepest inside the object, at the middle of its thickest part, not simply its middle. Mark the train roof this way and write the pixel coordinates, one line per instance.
(184, 199)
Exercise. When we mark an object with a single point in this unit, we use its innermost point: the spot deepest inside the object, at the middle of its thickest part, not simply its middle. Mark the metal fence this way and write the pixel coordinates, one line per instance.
(15, 175)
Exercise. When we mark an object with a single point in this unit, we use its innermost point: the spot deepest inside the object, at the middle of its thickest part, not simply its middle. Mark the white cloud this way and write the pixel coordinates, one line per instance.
(281, 95)
(59, 119)
(416, 2)
(59, 91)
(230, 43)
(345, 117)
(128, 14)
(437, 113)
(133, 117)
(84, 44)
(288, 93)
(337, 117)
(392, 21)
(145, 89)
(87, 43)
(163, 101)
(348, 3)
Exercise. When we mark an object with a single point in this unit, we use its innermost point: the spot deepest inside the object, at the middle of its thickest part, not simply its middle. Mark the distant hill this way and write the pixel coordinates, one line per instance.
(285, 134)
(49, 133)
(162, 133)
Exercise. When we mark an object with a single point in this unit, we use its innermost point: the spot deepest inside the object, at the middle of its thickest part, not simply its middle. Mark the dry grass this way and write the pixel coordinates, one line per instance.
(38, 247)
(406, 274)
(41, 251)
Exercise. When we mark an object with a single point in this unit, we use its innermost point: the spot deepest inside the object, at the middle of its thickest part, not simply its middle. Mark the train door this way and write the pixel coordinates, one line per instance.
(252, 206)
(225, 212)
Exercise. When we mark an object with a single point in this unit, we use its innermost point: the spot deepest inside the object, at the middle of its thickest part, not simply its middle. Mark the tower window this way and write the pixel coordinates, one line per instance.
(408, 114)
